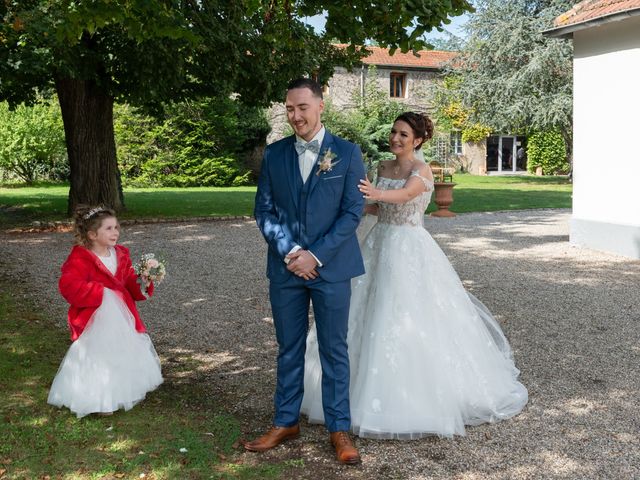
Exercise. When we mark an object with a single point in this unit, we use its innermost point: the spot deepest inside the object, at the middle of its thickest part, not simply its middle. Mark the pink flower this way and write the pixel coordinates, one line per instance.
(152, 263)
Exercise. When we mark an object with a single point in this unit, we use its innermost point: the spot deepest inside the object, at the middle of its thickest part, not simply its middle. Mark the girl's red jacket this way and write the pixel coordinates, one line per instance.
(82, 284)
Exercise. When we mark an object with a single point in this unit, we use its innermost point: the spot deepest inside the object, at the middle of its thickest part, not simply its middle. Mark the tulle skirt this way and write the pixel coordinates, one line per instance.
(111, 365)
(427, 358)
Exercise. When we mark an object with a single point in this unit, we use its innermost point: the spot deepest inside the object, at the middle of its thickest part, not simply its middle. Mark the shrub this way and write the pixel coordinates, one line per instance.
(32, 145)
(547, 150)
(192, 144)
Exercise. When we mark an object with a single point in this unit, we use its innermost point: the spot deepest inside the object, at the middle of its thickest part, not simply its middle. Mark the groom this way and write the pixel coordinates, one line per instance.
(308, 207)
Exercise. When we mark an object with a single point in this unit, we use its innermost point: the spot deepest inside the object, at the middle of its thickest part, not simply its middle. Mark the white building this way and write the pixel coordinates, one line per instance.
(606, 121)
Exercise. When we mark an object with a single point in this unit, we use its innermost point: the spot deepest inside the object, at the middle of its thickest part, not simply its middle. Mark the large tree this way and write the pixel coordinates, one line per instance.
(511, 77)
(148, 52)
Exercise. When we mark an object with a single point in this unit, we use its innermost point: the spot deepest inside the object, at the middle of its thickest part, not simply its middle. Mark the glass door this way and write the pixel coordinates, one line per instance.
(506, 154)
(493, 143)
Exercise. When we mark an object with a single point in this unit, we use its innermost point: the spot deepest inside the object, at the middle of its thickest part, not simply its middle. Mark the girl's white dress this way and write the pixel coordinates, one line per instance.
(111, 365)
(427, 358)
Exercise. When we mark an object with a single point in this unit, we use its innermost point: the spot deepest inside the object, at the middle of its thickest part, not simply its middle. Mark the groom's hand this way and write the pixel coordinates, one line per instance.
(302, 264)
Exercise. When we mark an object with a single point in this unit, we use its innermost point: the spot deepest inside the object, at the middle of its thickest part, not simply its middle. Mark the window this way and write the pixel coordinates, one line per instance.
(455, 142)
(398, 85)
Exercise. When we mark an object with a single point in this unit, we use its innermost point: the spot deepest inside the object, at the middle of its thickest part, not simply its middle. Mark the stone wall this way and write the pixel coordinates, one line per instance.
(277, 117)
(474, 157)
(345, 85)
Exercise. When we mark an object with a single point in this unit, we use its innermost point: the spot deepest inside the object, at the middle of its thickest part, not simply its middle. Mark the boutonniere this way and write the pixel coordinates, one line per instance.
(326, 163)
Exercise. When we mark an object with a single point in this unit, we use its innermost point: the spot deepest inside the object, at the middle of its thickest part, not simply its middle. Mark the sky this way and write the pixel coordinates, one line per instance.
(454, 27)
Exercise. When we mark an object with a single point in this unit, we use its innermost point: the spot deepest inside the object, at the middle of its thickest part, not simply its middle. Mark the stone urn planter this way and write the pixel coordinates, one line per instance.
(443, 198)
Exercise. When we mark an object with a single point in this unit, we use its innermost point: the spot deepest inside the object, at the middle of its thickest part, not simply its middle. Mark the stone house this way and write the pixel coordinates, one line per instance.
(407, 78)
(606, 102)
(410, 79)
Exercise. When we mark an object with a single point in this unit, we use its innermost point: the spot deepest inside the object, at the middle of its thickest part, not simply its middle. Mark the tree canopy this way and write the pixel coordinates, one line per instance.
(149, 52)
(512, 78)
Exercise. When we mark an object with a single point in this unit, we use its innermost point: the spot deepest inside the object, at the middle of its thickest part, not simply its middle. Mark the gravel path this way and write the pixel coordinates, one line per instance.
(572, 317)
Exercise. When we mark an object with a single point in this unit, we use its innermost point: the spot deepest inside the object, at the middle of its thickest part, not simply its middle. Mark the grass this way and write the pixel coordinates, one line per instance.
(43, 442)
(493, 193)
(21, 206)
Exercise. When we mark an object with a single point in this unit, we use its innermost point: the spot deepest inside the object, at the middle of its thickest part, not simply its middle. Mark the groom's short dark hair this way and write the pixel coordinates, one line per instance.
(303, 82)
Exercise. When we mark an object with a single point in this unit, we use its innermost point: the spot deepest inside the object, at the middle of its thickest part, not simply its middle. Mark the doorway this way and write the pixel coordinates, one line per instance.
(506, 154)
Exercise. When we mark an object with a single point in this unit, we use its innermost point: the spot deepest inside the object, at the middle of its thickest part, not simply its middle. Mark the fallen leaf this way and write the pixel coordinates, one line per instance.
(119, 475)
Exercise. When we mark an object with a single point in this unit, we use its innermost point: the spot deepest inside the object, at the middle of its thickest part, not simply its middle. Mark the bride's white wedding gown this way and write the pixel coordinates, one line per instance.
(426, 356)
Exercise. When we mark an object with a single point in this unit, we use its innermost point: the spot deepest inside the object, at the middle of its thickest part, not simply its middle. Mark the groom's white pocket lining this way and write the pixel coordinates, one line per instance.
(329, 178)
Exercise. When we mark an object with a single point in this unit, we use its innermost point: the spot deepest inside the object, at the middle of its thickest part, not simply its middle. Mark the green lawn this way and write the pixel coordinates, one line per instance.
(38, 441)
(21, 206)
(492, 193)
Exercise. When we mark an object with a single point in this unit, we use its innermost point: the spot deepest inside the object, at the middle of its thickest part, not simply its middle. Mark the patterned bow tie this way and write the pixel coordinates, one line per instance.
(313, 146)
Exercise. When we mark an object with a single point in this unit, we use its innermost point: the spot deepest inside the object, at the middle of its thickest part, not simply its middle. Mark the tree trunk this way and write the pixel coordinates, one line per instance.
(87, 114)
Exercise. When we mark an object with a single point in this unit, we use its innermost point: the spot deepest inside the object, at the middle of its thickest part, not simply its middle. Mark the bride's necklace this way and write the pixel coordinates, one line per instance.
(396, 169)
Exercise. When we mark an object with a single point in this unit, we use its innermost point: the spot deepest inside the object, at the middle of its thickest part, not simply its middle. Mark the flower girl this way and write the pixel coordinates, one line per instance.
(111, 363)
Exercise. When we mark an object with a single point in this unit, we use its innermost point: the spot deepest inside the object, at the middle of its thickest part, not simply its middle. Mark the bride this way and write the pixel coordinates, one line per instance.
(427, 357)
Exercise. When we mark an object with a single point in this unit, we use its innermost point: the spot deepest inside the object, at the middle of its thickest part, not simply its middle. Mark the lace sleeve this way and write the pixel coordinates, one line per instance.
(428, 184)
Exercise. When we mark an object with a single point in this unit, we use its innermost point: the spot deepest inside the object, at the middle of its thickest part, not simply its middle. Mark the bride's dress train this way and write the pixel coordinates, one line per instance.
(426, 356)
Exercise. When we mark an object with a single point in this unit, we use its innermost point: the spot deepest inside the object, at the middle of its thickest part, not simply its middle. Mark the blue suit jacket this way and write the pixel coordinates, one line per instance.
(320, 216)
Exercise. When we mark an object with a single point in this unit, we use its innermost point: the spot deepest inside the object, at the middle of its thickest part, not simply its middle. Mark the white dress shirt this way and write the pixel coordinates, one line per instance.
(306, 161)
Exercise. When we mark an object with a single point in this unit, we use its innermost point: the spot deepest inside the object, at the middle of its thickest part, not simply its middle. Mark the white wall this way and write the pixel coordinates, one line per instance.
(606, 195)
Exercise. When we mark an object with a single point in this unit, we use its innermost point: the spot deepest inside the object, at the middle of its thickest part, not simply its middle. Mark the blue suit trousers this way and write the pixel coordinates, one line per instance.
(290, 302)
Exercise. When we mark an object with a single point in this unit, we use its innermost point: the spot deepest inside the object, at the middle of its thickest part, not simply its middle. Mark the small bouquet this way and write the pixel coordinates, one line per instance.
(150, 268)
(326, 164)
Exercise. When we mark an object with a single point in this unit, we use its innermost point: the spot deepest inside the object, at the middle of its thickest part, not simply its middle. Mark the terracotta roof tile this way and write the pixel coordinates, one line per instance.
(425, 59)
(593, 9)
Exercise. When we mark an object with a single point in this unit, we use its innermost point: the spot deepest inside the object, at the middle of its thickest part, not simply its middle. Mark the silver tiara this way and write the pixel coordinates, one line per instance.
(92, 212)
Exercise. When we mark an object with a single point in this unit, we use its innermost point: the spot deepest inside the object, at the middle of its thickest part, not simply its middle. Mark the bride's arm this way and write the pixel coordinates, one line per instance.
(412, 188)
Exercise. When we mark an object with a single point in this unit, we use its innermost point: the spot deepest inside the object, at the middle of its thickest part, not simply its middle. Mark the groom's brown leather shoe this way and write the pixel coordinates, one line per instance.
(345, 450)
(274, 437)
